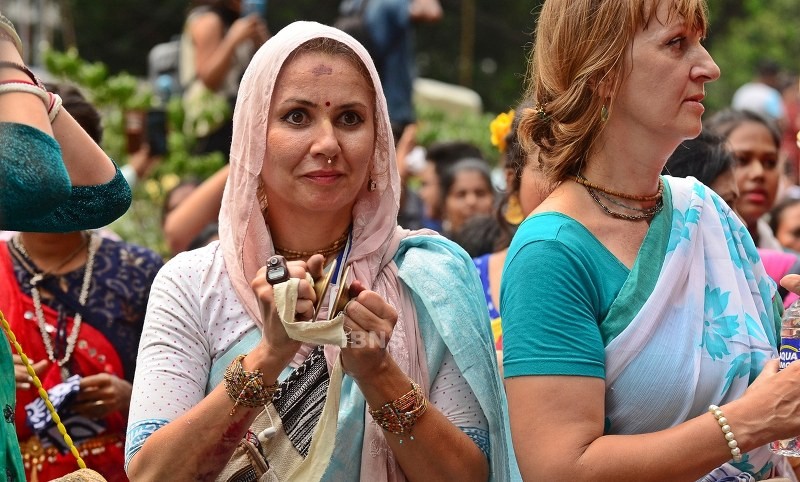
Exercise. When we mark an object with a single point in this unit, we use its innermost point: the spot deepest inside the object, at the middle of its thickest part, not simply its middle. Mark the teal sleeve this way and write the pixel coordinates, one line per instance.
(89, 207)
(33, 179)
(549, 305)
(35, 190)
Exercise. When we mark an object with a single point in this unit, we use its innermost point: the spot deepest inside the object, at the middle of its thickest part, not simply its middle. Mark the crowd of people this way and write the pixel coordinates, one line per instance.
(334, 311)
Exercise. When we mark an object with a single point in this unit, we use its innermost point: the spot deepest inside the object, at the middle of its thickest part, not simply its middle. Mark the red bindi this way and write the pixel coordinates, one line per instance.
(327, 104)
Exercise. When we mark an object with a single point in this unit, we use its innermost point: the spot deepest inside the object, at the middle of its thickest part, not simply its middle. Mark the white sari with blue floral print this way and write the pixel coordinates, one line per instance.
(704, 333)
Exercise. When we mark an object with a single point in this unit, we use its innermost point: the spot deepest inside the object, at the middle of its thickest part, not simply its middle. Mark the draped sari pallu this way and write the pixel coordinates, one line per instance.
(668, 366)
(93, 354)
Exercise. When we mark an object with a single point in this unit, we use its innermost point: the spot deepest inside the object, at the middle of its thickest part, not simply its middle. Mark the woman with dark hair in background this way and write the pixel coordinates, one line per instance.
(755, 142)
(524, 192)
(784, 221)
(467, 191)
(439, 157)
(707, 158)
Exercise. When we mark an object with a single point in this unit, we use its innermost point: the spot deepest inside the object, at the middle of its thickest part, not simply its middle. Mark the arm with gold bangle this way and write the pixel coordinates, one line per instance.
(439, 449)
(426, 444)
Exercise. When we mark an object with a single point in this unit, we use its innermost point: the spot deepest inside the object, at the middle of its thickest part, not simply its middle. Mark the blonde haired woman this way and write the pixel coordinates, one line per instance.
(636, 359)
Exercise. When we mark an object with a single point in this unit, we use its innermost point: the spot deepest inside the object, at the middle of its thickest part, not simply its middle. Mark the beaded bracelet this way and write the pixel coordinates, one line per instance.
(400, 415)
(25, 70)
(247, 388)
(736, 452)
(26, 87)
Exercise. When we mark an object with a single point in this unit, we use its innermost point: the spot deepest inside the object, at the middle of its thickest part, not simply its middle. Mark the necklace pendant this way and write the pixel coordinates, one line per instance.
(64, 373)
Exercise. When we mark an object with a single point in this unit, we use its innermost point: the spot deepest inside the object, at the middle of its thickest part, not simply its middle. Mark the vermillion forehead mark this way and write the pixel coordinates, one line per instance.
(327, 104)
(322, 69)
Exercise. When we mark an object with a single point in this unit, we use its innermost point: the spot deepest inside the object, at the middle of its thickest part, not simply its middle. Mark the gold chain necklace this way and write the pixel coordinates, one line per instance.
(334, 247)
(94, 243)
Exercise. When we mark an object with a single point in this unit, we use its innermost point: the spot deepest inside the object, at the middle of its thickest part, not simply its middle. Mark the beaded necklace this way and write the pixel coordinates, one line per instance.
(633, 197)
(622, 204)
(645, 213)
(94, 243)
(334, 247)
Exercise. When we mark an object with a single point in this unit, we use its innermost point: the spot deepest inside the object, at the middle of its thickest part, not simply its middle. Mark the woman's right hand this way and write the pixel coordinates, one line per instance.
(24, 381)
(774, 402)
(274, 335)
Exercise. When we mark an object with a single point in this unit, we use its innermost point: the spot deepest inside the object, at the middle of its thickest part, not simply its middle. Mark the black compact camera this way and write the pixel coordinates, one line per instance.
(277, 271)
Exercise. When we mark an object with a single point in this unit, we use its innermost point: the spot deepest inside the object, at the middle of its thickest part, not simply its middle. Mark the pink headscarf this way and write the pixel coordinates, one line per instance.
(246, 242)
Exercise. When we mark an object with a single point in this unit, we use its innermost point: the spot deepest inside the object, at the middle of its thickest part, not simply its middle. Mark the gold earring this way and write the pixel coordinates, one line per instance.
(513, 212)
(604, 113)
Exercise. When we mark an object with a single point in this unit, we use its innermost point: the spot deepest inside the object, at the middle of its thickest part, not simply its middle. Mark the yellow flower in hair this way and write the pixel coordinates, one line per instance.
(500, 127)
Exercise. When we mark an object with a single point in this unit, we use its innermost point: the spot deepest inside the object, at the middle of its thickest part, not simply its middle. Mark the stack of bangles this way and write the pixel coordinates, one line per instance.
(246, 388)
(52, 102)
(400, 415)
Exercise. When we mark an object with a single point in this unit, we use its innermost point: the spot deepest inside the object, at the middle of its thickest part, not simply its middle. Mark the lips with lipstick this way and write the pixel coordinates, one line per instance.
(756, 196)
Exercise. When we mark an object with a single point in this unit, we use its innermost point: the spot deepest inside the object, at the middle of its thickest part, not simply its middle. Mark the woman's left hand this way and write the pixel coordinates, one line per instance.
(103, 394)
(370, 321)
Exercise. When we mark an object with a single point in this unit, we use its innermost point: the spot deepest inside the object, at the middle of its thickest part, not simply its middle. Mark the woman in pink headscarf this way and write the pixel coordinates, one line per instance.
(241, 379)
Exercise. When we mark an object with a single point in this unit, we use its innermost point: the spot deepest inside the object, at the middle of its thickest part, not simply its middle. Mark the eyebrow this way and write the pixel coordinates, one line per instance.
(308, 103)
(295, 100)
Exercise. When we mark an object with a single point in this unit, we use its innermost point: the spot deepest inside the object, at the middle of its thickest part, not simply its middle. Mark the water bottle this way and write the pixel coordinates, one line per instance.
(790, 350)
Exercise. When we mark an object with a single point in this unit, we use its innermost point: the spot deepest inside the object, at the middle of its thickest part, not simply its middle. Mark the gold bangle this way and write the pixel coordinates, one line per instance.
(400, 415)
(247, 388)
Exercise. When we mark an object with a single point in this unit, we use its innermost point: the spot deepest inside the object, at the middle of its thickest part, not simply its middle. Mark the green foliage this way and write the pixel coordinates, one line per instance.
(436, 125)
(744, 33)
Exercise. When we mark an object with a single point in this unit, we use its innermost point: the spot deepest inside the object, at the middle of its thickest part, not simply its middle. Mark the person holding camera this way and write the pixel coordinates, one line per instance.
(218, 41)
(243, 371)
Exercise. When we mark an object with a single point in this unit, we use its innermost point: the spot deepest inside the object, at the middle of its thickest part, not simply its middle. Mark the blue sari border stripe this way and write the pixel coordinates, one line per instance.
(480, 437)
(138, 433)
